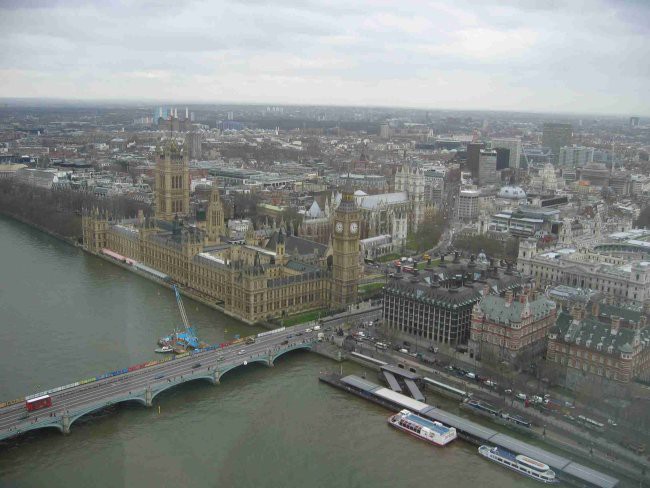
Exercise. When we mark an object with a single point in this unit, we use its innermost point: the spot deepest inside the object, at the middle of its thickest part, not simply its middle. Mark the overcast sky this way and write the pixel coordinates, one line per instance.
(539, 55)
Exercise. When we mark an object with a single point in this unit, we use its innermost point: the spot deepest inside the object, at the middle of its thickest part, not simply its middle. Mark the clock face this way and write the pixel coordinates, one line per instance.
(354, 227)
(339, 227)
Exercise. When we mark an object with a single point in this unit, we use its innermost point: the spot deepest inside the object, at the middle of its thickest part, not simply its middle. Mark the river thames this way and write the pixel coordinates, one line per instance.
(67, 315)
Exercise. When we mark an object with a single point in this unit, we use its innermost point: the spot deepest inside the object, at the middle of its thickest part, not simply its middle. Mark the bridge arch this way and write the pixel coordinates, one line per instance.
(77, 415)
(263, 360)
(55, 425)
(308, 346)
(157, 390)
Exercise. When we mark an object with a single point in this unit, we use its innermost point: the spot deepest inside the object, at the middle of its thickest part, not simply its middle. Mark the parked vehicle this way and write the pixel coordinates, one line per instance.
(521, 396)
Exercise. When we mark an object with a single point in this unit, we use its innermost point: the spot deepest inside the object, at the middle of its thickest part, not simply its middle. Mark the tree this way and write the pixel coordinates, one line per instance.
(244, 205)
(429, 231)
(476, 243)
(512, 248)
(293, 218)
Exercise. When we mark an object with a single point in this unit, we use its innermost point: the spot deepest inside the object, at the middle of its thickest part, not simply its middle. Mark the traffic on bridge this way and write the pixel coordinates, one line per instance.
(60, 407)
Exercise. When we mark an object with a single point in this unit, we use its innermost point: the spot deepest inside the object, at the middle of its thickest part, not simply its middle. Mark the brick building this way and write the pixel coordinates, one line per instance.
(601, 341)
(507, 327)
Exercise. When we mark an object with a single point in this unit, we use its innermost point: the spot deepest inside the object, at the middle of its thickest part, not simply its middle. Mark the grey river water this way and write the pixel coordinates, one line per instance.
(65, 316)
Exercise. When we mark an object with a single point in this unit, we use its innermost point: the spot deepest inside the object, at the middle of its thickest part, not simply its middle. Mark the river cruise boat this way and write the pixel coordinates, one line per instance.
(164, 349)
(518, 462)
(427, 430)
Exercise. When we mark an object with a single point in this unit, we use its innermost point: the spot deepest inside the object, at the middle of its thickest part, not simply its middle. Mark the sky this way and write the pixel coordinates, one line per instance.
(526, 55)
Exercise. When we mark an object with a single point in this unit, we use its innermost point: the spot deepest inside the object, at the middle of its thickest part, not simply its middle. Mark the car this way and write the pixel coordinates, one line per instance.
(197, 365)
(297, 335)
(612, 423)
(220, 358)
(284, 342)
(160, 376)
(521, 396)
(316, 327)
(308, 330)
(537, 399)
(471, 376)
(490, 383)
(507, 391)
(241, 352)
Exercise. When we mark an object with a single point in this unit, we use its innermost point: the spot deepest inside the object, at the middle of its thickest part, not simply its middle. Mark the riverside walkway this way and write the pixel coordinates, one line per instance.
(142, 383)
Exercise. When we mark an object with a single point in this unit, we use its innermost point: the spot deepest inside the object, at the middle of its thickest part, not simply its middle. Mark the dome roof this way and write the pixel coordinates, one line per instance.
(360, 193)
(512, 192)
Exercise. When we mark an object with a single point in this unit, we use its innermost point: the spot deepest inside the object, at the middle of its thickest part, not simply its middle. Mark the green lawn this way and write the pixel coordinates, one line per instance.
(370, 287)
(424, 264)
(304, 317)
(388, 257)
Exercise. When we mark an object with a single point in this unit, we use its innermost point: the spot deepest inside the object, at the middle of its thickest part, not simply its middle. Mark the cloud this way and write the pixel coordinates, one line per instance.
(578, 55)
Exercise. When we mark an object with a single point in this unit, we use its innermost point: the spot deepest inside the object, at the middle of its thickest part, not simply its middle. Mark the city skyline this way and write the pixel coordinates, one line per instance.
(489, 57)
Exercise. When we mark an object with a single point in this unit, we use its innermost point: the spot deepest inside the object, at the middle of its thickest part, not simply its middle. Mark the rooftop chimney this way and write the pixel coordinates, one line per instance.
(595, 309)
(616, 324)
(577, 312)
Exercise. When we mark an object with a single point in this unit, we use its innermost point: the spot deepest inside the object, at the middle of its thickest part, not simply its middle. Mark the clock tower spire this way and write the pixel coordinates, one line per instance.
(346, 268)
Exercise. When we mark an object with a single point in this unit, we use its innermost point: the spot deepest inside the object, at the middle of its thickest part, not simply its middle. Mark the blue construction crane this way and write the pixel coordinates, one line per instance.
(188, 337)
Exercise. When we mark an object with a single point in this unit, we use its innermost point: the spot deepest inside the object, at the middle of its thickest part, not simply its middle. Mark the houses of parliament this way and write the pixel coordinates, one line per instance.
(253, 281)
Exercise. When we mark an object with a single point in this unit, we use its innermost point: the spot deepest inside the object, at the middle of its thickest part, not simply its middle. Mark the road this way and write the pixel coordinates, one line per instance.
(77, 401)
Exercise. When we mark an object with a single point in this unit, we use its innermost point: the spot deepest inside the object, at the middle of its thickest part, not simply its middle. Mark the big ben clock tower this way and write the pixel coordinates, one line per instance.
(346, 268)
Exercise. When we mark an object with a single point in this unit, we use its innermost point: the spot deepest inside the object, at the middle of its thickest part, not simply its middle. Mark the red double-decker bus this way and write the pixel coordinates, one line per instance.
(38, 403)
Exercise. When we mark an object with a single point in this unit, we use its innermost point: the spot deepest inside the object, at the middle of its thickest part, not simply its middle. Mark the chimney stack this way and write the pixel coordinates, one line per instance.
(577, 312)
(616, 324)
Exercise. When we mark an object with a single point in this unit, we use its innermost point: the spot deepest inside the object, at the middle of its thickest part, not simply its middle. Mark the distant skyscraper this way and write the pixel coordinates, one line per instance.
(556, 135)
(487, 167)
(473, 152)
(572, 156)
(231, 115)
(513, 145)
(503, 158)
(634, 121)
(193, 142)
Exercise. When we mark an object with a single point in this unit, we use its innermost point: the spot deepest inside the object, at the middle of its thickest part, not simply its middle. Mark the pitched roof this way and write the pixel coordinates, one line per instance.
(597, 332)
(299, 245)
(497, 309)
(374, 201)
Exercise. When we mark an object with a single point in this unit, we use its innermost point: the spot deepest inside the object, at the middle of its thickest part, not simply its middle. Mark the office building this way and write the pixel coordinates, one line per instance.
(469, 204)
(487, 167)
(473, 153)
(513, 146)
(193, 142)
(573, 156)
(556, 135)
(505, 328)
(601, 344)
(436, 306)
